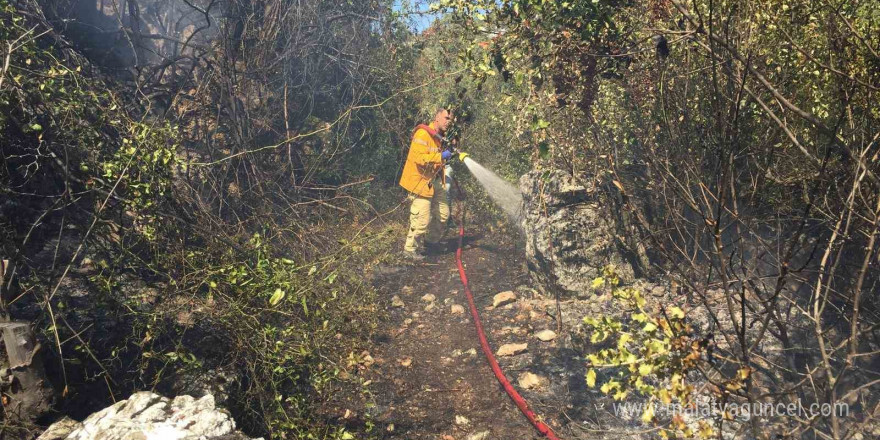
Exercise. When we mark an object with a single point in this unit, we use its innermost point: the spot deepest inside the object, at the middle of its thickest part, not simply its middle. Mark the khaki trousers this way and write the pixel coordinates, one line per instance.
(427, 218)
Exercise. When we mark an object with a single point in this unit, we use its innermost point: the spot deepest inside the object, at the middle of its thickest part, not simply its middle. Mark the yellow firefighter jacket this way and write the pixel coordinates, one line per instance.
(423, 163)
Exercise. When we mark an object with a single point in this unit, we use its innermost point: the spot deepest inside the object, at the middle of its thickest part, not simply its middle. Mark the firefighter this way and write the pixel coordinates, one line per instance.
(424, 177)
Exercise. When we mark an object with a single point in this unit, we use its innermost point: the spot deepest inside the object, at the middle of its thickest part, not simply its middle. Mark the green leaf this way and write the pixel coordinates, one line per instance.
(676, 312)
(648, 415)
(276, 297)
(591, 378)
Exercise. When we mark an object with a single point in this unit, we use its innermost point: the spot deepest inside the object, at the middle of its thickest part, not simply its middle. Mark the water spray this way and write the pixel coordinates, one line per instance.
(502, 192)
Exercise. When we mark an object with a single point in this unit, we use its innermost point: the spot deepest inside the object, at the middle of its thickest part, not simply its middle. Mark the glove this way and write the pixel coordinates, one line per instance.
(461, 156)
(446, 154)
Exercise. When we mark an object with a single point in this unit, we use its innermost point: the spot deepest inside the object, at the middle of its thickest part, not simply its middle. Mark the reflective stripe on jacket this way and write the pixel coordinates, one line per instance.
(423, 162)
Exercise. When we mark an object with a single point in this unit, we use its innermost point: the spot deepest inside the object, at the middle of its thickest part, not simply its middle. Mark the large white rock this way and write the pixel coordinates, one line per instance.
(571, 235)
(149, 416)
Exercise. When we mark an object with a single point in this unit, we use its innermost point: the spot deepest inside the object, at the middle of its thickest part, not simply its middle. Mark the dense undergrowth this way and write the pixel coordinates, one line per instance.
(735, 145)
(153, 247)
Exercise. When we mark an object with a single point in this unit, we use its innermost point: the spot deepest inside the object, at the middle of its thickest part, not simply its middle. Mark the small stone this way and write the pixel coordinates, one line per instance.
(503, 298)
(479, 436)
(512, 349)
(471, 352)
(405, 362)
(366, 359)
(396, 302)
(461, 420)
(546, 335)
(457, 309)
(406, 290)
(416, 315)
(429, 298)
(407, 321)
(429, 307)
(530, 381)
(390, 427)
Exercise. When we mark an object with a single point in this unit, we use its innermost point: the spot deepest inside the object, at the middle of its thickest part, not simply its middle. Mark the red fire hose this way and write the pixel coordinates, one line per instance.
(484, 344)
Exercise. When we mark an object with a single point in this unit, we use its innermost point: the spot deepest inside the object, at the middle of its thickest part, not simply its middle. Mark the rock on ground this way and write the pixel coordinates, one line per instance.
(530, 381)
(60, 429)
(479, 436)
(149, 416)
(546, 335)
(397, 302)
(503, 298)
(512, 349)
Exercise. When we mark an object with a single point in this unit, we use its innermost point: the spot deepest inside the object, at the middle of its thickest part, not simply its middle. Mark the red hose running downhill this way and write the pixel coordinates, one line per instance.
(517, 399)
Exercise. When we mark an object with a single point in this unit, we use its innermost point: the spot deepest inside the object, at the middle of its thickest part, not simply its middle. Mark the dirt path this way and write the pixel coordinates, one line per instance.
(430, 379)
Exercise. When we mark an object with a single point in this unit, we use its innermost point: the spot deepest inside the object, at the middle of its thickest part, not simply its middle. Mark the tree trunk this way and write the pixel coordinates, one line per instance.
(27, 394)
